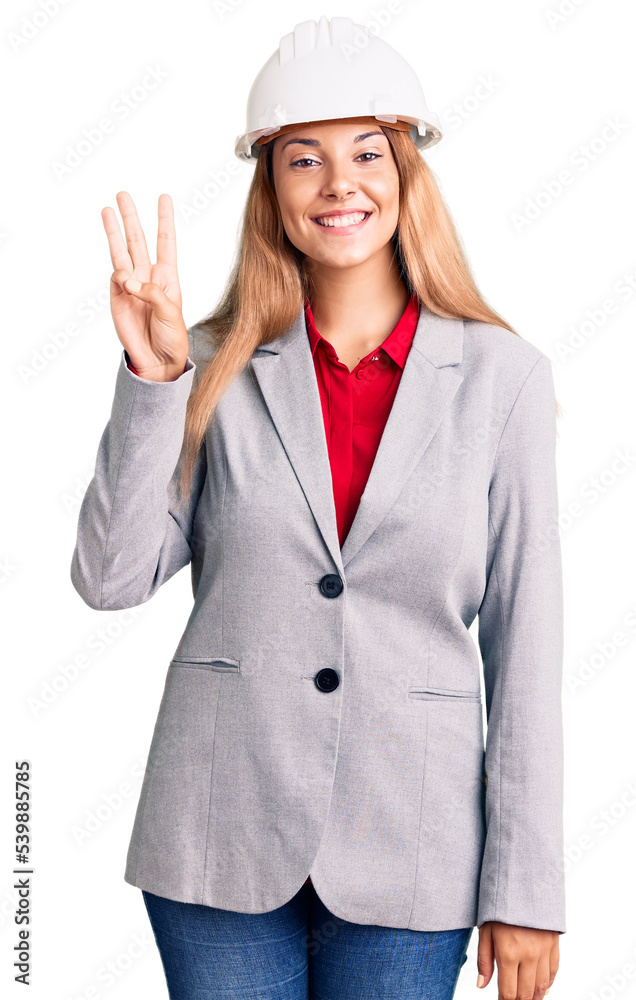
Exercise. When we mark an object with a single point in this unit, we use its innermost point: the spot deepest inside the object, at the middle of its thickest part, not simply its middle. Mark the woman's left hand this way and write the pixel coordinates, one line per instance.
(527, 959)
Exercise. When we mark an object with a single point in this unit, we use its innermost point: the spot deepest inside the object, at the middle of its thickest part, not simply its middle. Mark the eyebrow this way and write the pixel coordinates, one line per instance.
(315, 142)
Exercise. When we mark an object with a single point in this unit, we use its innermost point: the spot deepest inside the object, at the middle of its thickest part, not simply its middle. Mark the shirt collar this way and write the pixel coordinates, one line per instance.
(397, 344)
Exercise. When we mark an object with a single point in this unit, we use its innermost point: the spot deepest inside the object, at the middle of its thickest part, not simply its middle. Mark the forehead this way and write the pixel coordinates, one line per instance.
(317, 135)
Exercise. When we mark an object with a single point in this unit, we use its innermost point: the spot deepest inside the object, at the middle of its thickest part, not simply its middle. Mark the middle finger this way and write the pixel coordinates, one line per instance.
(134, 233)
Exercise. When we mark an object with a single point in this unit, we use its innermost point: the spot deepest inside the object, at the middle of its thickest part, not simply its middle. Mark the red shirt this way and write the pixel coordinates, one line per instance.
(356, 406)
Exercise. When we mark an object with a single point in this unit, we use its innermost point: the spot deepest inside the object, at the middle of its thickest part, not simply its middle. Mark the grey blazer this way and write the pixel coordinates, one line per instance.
(322, 712)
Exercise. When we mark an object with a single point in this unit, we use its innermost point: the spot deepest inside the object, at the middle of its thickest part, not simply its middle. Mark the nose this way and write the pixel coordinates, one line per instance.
(338, 182)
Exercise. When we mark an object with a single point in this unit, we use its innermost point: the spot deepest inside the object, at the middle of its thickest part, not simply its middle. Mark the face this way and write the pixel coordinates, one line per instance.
(344, 170)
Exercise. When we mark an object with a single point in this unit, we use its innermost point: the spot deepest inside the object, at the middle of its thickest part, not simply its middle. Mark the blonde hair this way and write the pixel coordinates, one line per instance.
(270, 279)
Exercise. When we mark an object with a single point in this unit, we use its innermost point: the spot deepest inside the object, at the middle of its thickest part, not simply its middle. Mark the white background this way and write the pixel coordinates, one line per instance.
(555, 81)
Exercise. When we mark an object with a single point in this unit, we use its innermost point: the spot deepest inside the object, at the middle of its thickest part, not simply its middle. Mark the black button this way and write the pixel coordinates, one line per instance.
(331, 585)
(326, 679)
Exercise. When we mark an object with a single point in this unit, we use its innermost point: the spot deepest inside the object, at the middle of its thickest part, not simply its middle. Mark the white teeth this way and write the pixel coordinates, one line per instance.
(342, 220)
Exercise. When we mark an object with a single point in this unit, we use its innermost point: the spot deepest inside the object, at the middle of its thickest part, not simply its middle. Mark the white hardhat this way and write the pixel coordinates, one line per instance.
(332, 69)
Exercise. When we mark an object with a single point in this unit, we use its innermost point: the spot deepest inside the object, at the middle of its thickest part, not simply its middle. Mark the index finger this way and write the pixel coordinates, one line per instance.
(166, 236)
(508, 978)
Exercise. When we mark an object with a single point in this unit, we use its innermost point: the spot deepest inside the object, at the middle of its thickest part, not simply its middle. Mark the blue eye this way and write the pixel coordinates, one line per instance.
(308, 159)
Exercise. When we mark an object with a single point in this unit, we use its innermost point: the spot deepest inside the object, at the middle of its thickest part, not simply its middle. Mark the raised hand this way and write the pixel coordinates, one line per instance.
(145, 298)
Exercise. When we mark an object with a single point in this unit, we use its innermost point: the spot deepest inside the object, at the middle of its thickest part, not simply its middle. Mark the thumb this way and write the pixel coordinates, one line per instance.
(146, 290)
(485, 956)
(165, 309)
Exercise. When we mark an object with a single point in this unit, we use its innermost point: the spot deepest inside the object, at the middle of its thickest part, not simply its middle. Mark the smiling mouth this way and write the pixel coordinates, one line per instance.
(348, 222)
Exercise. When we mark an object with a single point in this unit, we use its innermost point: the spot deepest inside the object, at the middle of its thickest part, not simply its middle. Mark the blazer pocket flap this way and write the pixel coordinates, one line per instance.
(433, 694)
(207, 662)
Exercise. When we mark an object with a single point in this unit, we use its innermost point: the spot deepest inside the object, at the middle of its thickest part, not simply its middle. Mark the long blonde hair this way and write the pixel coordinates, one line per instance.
(270, 279)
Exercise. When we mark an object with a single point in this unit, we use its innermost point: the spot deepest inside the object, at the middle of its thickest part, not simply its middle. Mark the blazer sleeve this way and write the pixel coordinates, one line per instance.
(132, 533)
(521, 644)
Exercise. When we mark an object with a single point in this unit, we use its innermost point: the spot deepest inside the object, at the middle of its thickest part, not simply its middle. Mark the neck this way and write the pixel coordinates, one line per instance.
(370, 296)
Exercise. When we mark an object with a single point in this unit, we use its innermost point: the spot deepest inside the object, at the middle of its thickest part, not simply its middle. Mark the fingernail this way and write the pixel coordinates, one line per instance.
(481, 979)
(132, 284)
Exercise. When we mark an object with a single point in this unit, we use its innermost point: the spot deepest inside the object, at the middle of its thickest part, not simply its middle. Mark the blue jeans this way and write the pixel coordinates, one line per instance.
(300, 951)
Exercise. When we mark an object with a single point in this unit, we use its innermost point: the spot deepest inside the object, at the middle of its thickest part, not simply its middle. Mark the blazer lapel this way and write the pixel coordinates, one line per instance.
(285, 372)
(425, 391)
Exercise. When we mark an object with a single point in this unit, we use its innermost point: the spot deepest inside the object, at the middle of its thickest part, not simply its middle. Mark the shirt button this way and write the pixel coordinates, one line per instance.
(360, 373)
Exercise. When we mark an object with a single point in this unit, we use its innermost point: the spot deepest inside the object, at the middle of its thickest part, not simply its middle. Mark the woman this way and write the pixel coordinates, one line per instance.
(364, 462)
